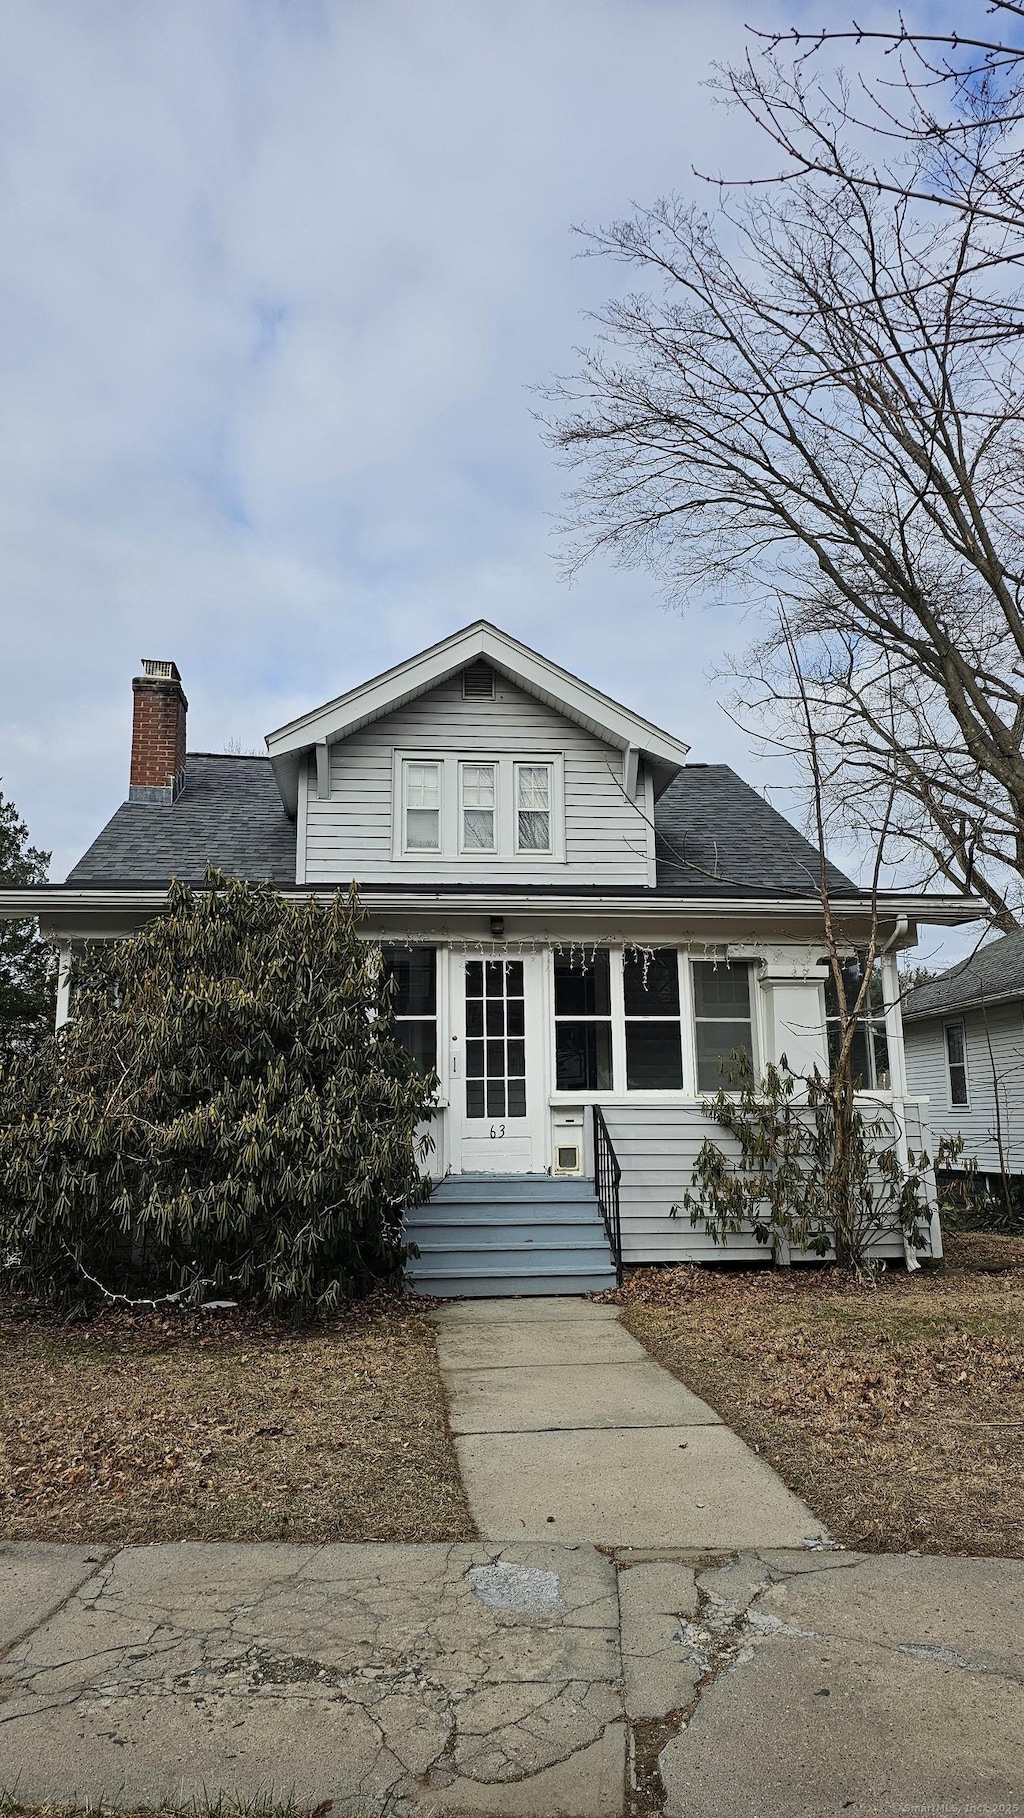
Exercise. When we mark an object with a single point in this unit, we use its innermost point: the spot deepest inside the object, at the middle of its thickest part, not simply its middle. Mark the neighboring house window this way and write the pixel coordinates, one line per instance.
(414, 970)
(869, 1054)
(422, 807)
(533, 807)
(956, 1061)
(654, 1051)
(583, 1022)
(479, 807)
(721, 1009)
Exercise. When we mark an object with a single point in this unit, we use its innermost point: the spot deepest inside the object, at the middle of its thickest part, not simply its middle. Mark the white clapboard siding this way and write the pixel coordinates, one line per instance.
(657, 1146)
(995, 1053)
(351, 834)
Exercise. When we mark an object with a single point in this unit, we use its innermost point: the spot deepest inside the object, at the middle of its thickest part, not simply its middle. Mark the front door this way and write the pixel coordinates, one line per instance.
(496, 1087)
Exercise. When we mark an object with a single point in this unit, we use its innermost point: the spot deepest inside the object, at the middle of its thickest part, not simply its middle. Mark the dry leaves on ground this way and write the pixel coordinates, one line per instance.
(896, 1409)
(225, 1426)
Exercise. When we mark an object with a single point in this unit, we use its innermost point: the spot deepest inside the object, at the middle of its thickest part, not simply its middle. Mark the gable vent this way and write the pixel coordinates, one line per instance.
(478, 682)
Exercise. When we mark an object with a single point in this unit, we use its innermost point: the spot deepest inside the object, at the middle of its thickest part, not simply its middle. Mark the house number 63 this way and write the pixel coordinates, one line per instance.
(497, 1130)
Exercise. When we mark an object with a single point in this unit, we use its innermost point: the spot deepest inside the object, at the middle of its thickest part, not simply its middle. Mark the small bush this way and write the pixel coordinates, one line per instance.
(227, 1114)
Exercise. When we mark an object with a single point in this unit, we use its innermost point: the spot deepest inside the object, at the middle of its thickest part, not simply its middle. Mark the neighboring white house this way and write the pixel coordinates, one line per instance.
(965, 1054)
(583, 924)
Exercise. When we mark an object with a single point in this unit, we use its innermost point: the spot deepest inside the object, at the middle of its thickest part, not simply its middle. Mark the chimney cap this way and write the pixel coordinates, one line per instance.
(160, 669)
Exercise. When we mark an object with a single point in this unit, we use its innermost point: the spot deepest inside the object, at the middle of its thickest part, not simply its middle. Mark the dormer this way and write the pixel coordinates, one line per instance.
(476, 761)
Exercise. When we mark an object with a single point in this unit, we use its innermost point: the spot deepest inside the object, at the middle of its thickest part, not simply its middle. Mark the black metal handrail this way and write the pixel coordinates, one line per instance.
(608, 1174)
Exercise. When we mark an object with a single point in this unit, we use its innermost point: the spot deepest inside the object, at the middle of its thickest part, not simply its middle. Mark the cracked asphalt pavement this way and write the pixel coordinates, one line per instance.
(540, 1680)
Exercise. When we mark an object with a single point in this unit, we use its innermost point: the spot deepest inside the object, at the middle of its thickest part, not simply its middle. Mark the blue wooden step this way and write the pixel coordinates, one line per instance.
(496, 1235)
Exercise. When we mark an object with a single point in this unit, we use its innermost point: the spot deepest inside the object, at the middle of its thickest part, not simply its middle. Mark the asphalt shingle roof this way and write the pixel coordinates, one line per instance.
(995, 971)
(228, 814)
(716, 836)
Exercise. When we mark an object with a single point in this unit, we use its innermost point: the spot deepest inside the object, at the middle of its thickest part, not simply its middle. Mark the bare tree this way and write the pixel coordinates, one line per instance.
(817, 397)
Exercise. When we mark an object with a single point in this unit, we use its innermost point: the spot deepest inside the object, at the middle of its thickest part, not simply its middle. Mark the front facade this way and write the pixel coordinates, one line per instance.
(577, 916)
(964, 1036)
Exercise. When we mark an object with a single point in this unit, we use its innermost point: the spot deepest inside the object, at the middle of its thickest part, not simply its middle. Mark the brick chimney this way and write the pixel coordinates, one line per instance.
(158, 734)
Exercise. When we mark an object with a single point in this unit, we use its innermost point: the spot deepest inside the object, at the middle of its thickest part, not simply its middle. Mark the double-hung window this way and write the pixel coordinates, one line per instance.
(956, 1063)
(650, 991)
(414, 1005)
(422, 806)
(722, 1020)
(478, 785)
(583, 1022)
(869, 1052)
(533, 807)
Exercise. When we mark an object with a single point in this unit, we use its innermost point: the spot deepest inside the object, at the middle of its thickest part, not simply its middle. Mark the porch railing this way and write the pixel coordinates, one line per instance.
(607, 1175)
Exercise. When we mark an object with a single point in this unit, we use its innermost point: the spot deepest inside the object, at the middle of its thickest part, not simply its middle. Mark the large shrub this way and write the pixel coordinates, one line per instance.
(227, 1114)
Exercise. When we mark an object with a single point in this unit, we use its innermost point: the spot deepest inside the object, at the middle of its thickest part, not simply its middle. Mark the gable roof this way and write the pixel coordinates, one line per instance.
(535, 674)
(995, 972)
(717, 837)
(229, 814)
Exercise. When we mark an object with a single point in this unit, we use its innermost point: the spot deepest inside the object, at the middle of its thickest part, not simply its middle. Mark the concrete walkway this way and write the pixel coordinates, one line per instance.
(567, 1430)
(536, 1681)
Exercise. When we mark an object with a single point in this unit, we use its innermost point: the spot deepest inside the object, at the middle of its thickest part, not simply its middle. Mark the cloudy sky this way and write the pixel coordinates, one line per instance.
(278, 278)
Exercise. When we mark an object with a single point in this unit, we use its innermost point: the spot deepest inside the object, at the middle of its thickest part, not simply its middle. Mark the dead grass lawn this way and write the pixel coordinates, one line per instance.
(896, 1410)
(221, 1426)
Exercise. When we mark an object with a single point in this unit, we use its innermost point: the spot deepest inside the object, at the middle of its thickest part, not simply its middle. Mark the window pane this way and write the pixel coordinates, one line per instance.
(474, 1098)
(955, 1044)
(716, 1042)
(582, 986)
(474, 978)
(956, 1051)
(534, 786)
(423, 785)
(958, 1085)
(495, 1098)
(478, 829)
(423, 830)
(517, 1098)
(514, 978)
(474, 1017)
(651, 983)
(516, 1016)
(721, 990)
(534, 832)
(583, 1057)
(478, 785)
(420, 1038)
(414, 970)
(516, 1060)
(474, 1060)
(495, 1016)
(654, 1060)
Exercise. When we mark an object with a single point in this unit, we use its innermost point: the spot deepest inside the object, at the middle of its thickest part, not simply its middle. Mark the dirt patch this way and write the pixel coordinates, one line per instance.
(226, 1427)
(896, 1410)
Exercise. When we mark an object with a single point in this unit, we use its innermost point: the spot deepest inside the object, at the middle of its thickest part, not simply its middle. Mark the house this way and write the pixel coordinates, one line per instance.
(584, 927)
(965, 1054)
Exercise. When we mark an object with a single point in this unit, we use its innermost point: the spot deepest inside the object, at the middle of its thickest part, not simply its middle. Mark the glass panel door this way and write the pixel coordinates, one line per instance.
(498, 1099)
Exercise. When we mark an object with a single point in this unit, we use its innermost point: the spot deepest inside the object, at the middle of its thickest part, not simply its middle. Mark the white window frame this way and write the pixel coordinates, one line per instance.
(480, 852)
(619, 1092)
(422, 853)
(956, 1022)
(533, 852)
(731, 959)
(452, 855)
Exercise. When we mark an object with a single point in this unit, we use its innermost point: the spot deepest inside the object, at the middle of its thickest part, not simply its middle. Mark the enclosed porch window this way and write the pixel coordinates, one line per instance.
(414, 970)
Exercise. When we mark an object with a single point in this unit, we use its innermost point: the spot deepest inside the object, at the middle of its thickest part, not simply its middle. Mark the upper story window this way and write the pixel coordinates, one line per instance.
(533, 807)
(422, 806)
(491, 808)
(956, 1063)
(722, 1020)
(479, 791)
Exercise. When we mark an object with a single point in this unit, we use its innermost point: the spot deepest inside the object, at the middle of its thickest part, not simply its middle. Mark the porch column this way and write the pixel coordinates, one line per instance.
(793, 997)
(63, 984)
